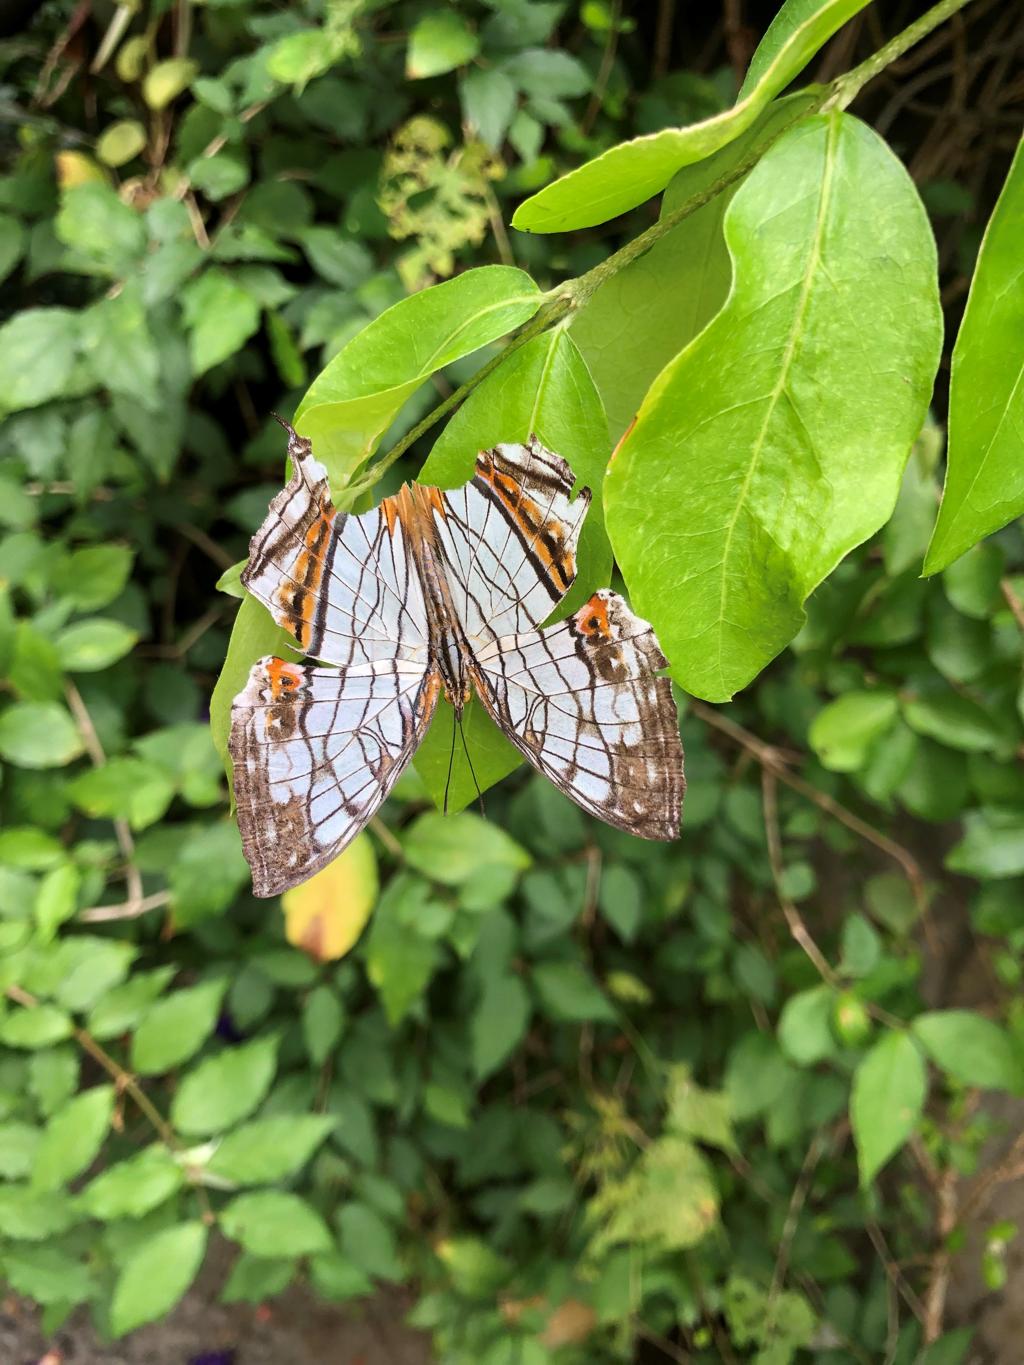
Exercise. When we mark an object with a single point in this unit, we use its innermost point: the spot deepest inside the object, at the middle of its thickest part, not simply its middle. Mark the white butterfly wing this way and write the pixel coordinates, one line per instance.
(316, 750)
(508, 538)
(315, 753)
(585, 703)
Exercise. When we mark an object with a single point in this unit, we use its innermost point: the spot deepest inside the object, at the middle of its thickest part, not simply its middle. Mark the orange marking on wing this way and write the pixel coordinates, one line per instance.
(592, 619)
(392, 516)
(284, 677)
(434, 499)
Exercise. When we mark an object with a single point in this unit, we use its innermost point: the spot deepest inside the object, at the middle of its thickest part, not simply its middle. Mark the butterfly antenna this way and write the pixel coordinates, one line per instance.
(451, 761)
(472, 771)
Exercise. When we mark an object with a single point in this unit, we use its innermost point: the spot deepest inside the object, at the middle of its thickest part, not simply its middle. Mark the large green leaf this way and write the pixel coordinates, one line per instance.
(544, 389)
(642, 317)
(985, 465)
(354, 400)
(156, 1276)
(776, 441)
(626, 175)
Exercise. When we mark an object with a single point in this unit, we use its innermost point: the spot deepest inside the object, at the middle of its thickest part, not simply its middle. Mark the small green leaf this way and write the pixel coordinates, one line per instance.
(176, 1027)
(488, 104)
(89, 646)
(451, 849)
(38, 347)
(399, 960)
(220, 315)
(570, 994)
(121, 142)
(30, 1215)
(970, 1048)
(322, 1021)
(39, 1026)
(368, 1242)
(354, 400)
(254, 1279)
(440, 42)
(631, 172)
(225, 1088)
(889, 1088)
(843, 732)
(134, 1187)
(38, 735)
(498, 1024)
(156, 1276)
(73, 1138)
(92, 577)
(805, 1032)
(270, 1149)
(992, 846)
(274, 1223)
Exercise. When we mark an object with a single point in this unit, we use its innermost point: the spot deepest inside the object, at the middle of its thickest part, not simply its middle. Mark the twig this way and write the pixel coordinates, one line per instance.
(797, 928)
(95, 751)
(938, 1281)
(205, 543)
(101, 914)
(846, 88)
(125, 1083)
(1012, 601)
(799, 1197)
(380, 829)
(604, 71)
(892, 1270)
(769, 757)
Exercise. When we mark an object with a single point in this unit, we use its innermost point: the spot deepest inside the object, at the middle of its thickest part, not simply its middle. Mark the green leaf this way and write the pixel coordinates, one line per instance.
(488, 104)
(123, 788)
(569, 993)
(439, 42)
(121, 142)
(958, 722)
(38, 1026)
(322, 1022)
(57, 899)
(970, 1048)
(12, 243)
(861, 947)
(33, 1215)
(805, 1026)
(225, 1088)
(133, 1188)
(176, 1027)
(118, 347)
(94, 576)
(498, 1024)
(38, 348)
(673, 290)
(274, 1223)
(400, 961)
(156, 1275)
(807, 429)
(103, 233)
(889, 1088)
(90, 646)
(620, 898)
(843, 732)
(73, 1138)
(38, 735)
(626, 175)
(335, 1277)
(220, 316)
(48, 1276)
(369, 1242)
(19, 1143)
(120, 1009)
(353, 401)
(452, 848)
(667, 1202)
(985, 464)
(166, 80)
(992, 846)
(270, 1149)
(254, 1279)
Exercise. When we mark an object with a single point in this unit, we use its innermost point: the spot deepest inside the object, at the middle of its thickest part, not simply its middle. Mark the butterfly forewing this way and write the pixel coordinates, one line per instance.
(509, 539)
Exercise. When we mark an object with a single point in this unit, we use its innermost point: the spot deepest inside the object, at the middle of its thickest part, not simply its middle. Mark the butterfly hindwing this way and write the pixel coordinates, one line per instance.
(315, 752)
(585, 702)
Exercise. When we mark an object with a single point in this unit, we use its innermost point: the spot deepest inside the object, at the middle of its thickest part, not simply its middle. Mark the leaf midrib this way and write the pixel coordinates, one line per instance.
(813, 260)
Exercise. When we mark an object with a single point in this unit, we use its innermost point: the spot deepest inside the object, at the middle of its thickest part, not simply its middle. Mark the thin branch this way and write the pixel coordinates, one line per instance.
(846, 88)
(799, 1197)
(892, 1270)
(125, 1083)
(132, 909)
(769, 757)
(797, 928)
(94, 749)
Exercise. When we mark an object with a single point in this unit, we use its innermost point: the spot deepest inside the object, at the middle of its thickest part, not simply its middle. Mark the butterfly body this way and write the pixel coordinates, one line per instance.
(439, 592)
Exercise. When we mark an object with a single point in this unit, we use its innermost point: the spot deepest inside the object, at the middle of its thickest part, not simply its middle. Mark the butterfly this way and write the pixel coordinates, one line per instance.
(439, 592)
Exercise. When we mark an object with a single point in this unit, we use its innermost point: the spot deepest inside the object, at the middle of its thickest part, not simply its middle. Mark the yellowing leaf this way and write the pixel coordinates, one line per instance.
(326, 915)
(75, 168)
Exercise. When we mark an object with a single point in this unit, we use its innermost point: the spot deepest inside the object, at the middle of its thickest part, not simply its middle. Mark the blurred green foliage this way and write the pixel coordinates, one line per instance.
(586, 1096)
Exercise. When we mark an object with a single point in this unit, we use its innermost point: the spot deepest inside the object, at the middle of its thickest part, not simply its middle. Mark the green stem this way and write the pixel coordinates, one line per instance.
(847, 87)
(572, 295)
